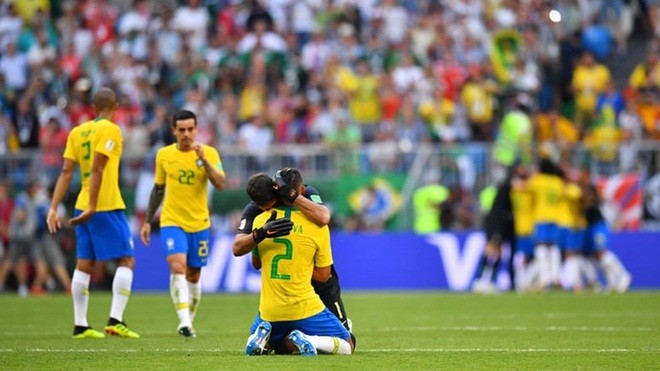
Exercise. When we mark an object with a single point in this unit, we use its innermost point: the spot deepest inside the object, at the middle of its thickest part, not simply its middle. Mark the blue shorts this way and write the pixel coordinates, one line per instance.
(194, 244)
(562, 237)
(322, 324)
(596, 238)
(525, 245)
(104, 236)
(545, 233)
(574, 240)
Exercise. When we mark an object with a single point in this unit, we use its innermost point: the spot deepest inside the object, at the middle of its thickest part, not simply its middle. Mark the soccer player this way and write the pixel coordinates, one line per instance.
(292, 251)
(571, 229)
(546, 188)
(313, 208)
(596, 244)
(499, 228)
(102, 231)
(185, 168)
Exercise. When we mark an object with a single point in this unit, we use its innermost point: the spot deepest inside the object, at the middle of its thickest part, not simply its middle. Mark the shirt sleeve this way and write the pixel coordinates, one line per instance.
(213, 158)
(323, 256)
(159, 171)
(109, 140)
(69, 151)
(250, 212)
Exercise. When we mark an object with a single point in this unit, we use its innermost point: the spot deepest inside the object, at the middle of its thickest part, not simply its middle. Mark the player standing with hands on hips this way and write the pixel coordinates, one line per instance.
(185, 168)
(102, 231)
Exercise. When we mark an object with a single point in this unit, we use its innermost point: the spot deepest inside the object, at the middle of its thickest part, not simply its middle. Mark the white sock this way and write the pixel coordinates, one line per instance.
(555, 264)
(121, 290)
(531, 276)
(542, 258)
(589, 271)
(612, 267)
(179, 294)
(329, 344)
(572, 272)
(80, 294)
(195, 296)
(519, 270)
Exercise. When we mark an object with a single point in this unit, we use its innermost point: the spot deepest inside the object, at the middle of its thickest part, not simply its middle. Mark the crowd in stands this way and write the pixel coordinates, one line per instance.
(341, 73)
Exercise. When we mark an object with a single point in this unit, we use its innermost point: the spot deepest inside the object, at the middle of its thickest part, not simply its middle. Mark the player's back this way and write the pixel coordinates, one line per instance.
(84, 140)
(523, 206)
(287, 266)
(547, 192)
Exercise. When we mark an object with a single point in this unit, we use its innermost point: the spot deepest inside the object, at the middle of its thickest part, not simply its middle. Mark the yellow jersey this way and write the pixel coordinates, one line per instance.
(287, 264)
(103, 136)
(522, 205)
(546, 193)
(186, 199)
(571, 215)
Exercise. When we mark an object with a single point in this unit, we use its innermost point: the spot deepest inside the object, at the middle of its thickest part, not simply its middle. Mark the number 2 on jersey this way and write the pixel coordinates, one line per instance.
(288, 255)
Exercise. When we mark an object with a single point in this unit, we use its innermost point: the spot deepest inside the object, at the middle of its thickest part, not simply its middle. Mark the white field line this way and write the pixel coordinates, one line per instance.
(425, 329)
(513, 328)
(405, 350)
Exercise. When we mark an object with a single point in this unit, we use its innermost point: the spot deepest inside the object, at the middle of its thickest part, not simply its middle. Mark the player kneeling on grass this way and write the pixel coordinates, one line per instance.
(291, 251)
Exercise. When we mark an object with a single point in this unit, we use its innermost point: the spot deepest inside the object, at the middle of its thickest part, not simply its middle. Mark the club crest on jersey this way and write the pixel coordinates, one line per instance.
(199, 163)
(109, 145)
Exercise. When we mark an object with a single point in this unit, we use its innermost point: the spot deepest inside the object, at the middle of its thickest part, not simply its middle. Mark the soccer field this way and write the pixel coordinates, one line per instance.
(428, 330)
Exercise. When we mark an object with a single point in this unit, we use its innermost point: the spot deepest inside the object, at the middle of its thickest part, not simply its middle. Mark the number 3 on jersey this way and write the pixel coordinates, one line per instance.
(288, 255)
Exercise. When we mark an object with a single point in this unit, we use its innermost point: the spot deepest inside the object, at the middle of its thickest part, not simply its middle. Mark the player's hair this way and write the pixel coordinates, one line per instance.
(292, 176)
(104, 99)
(260, 189)
(183, 114)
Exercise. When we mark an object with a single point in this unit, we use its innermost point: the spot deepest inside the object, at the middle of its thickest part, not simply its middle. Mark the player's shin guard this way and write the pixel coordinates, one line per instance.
(179, 294)
(330, 345)
(121, 290)
(80, 294)
(195, 296)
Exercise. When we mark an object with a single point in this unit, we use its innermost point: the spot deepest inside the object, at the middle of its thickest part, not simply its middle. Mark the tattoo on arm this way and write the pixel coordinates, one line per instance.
(155, 199)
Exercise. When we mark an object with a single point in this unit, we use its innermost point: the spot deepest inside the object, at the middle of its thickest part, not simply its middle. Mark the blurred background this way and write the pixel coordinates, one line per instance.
(373, 100)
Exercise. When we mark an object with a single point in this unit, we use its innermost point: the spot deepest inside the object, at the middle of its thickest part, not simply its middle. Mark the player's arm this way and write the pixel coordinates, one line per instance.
(271, 229)
(319, 214)
(256, 259)
(155, 199)
(96, 177)
(63, 182)
(321, 274)
(216, 177)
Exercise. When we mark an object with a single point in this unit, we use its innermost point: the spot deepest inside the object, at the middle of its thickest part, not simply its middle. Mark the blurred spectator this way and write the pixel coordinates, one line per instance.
(633, 131)
(478, 98)
(21, 251)
(52, 140)
(364, 107)
(589, 80)
(551, 128)
(15, 69)
(344, 137)
(515, 136)
(256, 137)
(427, 201)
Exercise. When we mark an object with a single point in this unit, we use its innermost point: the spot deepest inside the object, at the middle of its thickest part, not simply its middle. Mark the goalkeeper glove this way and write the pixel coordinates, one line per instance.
(283, 190)
(272, 228)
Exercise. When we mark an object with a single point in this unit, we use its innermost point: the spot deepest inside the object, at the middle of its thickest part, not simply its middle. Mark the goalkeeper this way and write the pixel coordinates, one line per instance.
(313, 209)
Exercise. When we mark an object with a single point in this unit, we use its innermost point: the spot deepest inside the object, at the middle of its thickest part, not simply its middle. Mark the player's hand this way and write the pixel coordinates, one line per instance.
(283, 190)
(145, 233)
(199, 150)
(82, 217)
(53, 221)
(273, 228)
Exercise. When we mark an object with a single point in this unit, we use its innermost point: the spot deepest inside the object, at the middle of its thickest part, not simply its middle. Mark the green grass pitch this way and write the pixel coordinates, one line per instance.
(418, 330)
